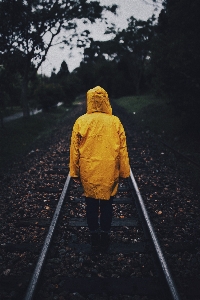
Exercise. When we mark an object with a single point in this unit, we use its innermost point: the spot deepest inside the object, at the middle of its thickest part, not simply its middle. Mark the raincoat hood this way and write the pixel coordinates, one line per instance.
(98, 101)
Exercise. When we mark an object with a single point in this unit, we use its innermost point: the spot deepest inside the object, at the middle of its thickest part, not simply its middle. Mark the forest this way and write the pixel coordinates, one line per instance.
(158, 56)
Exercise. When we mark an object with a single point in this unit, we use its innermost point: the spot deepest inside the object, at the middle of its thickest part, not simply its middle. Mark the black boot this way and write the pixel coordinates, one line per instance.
(105, 241)
(95, 240)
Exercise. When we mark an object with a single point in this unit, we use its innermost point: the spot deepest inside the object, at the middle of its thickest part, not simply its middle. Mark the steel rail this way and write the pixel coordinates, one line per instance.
(38, 269)
(163, 264)
(30, 293)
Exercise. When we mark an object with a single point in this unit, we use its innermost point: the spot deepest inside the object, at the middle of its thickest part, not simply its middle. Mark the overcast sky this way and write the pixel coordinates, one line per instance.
(140, 9)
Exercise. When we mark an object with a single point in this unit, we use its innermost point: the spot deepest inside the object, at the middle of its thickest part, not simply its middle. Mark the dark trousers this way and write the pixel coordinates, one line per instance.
(93, 206)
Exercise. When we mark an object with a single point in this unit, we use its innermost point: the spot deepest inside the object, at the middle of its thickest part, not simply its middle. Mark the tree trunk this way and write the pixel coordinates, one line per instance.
(24, 98)
(138, 80)
(2, 108)
(137, 90)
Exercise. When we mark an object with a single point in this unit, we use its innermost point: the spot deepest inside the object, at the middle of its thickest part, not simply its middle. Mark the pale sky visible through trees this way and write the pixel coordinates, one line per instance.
(140, 9)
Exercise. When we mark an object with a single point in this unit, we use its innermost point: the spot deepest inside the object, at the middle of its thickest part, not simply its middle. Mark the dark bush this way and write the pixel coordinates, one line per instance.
(48, 95)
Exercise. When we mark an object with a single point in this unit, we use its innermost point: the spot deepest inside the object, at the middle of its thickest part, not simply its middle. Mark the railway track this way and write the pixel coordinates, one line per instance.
(71, 271)
(137, 247)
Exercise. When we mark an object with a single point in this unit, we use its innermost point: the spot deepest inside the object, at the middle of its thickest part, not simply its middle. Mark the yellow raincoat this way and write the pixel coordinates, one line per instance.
(98, 151)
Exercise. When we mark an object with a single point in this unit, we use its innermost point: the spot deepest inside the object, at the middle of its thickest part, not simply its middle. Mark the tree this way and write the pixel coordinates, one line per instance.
(72, 87)
(64, 71)
(175, 57)
(119, 64)
(10, 82)
(130, 49)
(48, 95)
(135, 47)
(32, 26)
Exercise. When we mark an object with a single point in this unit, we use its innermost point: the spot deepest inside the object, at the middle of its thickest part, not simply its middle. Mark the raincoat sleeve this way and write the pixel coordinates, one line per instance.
(124, 170)
(74, 151)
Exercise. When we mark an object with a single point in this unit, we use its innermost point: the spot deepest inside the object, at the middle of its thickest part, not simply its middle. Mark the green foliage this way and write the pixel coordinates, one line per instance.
(10, 80)
(112, 76)
(64, 71)
(119, 65)
(70, 83)
(86, 73)
(30, 21)
(135, 47)
(48, 95)
(72, 87)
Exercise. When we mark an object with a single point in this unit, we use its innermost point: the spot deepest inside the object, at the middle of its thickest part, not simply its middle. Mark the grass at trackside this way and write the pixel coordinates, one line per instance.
(156, 116)
(17, 136)
(152, 114)
(159, 117)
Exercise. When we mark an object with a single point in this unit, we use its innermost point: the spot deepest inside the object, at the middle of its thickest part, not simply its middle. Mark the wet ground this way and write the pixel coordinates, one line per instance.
(19, 115)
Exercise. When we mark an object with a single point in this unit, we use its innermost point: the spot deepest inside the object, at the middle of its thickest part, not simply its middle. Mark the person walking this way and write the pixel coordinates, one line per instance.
(98, 158)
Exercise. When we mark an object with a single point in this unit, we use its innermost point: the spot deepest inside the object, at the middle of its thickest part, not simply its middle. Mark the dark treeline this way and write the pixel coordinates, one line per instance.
(28, 29)
(158, 55)
(175, 59)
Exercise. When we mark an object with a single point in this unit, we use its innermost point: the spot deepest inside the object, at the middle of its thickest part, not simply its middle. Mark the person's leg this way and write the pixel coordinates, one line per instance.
(92, 212)
(106, 210)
